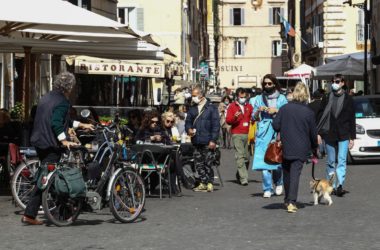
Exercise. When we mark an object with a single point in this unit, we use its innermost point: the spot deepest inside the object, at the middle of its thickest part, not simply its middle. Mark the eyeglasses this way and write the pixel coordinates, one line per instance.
(170, 121)
(153, 122)
(337, 81)
(268, 83)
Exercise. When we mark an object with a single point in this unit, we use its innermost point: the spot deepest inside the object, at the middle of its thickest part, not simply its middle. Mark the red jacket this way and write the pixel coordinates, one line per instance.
(240, 124)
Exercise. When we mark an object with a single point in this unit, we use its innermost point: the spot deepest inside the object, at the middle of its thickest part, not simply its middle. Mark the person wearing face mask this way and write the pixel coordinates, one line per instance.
(239, 116)
(337, 126)
(225, 128)
(202, 124)
(265, 109)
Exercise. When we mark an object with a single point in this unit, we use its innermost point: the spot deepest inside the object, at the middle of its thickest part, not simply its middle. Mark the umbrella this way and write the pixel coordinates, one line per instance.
(350, 68)
(303, 70)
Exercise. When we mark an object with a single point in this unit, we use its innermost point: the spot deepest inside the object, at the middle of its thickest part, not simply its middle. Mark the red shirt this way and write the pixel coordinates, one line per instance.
(240, 124)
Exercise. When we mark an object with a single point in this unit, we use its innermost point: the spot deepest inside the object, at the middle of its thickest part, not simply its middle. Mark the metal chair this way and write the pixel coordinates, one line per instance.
(147, 162)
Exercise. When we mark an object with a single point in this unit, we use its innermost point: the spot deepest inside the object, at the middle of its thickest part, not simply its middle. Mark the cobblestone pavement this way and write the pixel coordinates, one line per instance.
(233, 217)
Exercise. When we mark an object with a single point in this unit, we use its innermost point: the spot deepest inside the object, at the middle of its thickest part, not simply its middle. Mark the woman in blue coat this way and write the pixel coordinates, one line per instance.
(265, 109)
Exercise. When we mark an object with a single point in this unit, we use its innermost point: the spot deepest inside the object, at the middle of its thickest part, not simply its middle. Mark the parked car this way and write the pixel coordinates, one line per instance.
(367, 143)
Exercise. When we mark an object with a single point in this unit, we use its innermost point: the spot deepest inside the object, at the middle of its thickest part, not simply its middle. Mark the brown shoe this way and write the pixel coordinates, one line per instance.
(29, 221)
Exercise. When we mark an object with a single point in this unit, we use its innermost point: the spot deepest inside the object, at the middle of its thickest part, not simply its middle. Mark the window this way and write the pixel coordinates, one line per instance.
(237, 16)
(239, 48)
(274, 15)
(276, 48)
(132, 16)
(85, 4)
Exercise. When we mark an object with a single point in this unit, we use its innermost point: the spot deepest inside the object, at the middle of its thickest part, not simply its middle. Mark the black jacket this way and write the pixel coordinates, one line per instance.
(207, 125)
(341, 128)
(296, 124)
(145, 134)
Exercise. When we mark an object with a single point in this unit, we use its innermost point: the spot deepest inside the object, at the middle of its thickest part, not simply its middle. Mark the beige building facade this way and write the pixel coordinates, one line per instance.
(250, 44)
(330, 28)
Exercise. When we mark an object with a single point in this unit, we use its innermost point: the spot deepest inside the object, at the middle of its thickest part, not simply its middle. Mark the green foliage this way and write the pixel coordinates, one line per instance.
(17, 112)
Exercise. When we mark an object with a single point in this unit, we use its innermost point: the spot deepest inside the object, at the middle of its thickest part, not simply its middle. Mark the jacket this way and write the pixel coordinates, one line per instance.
(145, 134)
(51, 120)
(207, 125)
(344, 126)
(240, 124)
(296, 124)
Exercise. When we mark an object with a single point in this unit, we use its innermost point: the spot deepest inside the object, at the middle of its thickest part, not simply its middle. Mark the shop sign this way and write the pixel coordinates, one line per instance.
(231, 68)
(126, 69)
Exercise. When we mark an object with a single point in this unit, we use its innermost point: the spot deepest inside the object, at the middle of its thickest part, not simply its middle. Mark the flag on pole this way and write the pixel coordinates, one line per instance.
(289, 30)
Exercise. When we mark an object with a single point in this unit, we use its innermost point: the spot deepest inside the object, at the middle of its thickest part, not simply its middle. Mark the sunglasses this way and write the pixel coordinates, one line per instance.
(336, 81)
(170, 121)
(268, 83)
(153, 122)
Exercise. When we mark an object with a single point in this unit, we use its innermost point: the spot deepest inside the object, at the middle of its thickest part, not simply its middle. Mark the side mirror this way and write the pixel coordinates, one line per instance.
(85, 113)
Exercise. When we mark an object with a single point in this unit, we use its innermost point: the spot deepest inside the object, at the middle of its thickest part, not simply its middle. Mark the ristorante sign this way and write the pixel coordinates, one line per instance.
(120, 68)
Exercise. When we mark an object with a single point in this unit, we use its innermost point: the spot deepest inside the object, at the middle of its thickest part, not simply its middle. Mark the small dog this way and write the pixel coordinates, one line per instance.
(323, 188)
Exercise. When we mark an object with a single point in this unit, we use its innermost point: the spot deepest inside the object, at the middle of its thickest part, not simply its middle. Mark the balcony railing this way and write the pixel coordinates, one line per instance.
(360, 33)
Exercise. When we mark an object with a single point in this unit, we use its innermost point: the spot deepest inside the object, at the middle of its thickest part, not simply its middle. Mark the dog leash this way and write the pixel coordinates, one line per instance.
(314, 161)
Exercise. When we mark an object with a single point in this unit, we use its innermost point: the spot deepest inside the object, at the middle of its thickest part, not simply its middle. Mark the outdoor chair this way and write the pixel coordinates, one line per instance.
(155, 158)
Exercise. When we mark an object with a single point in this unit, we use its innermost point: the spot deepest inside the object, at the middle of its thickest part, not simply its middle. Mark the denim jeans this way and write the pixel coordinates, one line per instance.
(271, 177)
(336, 160)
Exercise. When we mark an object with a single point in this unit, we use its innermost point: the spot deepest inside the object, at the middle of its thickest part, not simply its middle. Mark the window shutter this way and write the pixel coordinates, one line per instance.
(231, 16)
(270, 15)
(242, 48)
(242, 16)
(360, 17)
(235, 48)
(140, 19)
(279, 48)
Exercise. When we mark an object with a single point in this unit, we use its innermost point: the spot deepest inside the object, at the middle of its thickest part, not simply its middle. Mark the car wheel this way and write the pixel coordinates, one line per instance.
(350, 159)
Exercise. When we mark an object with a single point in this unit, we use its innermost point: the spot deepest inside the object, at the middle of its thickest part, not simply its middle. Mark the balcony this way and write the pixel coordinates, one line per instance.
(360, 33)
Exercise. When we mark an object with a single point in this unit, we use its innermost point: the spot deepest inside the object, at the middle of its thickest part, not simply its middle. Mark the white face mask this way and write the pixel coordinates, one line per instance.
(336, 86)
(242, 100)
(196, 99)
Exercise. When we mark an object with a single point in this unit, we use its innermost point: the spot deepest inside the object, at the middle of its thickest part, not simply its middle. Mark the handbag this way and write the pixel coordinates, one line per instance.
(273, 155)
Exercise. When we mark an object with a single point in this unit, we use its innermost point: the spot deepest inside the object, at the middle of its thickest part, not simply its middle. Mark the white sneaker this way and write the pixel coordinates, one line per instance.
(267, 194)
(278, 190)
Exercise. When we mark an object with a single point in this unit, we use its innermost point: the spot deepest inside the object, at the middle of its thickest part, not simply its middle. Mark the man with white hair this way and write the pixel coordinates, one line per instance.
(50, 132)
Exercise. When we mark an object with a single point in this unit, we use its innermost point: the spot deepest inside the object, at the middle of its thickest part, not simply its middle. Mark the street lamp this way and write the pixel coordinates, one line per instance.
(367, 14)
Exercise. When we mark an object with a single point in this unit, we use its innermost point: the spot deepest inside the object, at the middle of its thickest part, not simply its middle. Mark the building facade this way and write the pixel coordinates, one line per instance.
(250, 44)
(330, 28)
(105, 8)
(375, 41)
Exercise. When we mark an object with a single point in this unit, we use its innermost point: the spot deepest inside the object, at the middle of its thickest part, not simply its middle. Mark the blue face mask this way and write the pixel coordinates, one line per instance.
(335, 86)
(242, 100)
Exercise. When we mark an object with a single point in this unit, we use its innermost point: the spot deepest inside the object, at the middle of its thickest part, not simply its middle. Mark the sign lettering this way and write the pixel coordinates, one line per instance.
(122, 68)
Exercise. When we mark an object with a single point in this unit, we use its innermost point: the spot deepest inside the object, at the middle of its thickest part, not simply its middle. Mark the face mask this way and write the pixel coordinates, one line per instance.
(269, 90)
(226, 103)
(196, 99)
(335, 87)
(242, 100)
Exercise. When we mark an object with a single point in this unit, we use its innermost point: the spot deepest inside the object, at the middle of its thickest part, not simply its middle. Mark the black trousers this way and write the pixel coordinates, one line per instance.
(291, 175)
(49, 155)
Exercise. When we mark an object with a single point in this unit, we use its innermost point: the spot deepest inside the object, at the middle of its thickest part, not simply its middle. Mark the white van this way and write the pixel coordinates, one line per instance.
(367, 143)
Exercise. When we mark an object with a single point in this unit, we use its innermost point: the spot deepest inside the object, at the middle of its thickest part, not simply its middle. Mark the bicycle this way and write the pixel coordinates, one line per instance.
(120, 185)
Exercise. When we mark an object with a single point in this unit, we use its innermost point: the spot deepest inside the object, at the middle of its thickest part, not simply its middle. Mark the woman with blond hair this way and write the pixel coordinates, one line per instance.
(168, 124)
(295, 122)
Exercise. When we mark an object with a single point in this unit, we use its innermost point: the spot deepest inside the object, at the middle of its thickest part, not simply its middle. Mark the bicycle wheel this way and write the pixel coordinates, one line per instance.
(60, 210)
(127, 195)
(22, 182)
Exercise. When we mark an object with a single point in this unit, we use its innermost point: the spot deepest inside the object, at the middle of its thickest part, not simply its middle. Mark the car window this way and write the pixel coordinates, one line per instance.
(367, 107)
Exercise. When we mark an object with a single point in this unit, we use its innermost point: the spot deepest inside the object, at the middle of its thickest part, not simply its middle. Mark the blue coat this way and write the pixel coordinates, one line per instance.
(264, 134)
(207, 125)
